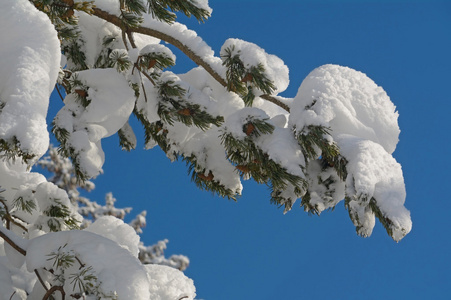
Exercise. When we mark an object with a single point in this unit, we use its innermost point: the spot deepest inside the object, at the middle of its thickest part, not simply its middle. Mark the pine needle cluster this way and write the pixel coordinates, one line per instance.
(243, 80)
(252, 162)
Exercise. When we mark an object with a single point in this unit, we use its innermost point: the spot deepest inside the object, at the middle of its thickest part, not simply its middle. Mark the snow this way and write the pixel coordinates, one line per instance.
(235, 122)
(350, 102)
(157, 48)
(29, 68)
(252, 55)
(111, 6)
(283, 149)
(372, 172)
(126, 277)
(322, 198)
(280, 146)
(362, 119)
(202, 4)
(364, 124)
(167, 283)
(94, 30)
(221, 102)
(14, 281)
(14, 176)
(209, 153)
(116, 230)
(188, 38)
(111, 104)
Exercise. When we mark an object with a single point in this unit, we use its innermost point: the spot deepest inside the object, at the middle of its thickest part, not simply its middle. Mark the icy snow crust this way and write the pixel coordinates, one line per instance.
(29, 69)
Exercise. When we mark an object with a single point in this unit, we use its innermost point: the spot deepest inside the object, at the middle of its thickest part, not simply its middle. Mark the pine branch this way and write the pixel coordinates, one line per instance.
(185, 49)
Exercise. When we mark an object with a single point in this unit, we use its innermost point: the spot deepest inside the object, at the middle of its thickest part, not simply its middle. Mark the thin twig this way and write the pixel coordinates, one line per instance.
(145, 74)
(11, 243)
(124, 40)
(144, 90)
(59, 93)
(79, 261)
(54, 289)
(40, 280)
(131, 39)
(10, 218)
(8, 221)
(12, 295)
(4, 204)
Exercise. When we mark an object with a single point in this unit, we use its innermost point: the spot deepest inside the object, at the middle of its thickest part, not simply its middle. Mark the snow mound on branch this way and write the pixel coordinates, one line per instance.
(157, 48)
(30, 62)
(209, 153)
(112, 100)
(280, 145)
(116, 230)
(202, 4)
(252, 55)
(115, 267)
(364, 124)
(186, 37)
(111, 103)
(350, 102)
(372, 172)
(14, 176)
(111, 6)
(167, 283)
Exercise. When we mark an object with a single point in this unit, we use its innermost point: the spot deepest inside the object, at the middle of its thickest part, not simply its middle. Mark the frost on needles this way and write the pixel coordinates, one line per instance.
(109, 60)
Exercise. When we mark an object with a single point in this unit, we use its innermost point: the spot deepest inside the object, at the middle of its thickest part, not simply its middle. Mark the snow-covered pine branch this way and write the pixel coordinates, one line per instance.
(333, 141)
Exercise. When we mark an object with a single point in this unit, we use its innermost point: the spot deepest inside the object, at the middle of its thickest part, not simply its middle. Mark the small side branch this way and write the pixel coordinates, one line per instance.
(276, 102)
(54, 289)
(131, 39)
(11, 242)
(40, 280)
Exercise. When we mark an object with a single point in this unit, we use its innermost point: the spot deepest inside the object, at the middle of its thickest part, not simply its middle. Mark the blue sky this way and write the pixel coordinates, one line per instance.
(249, 249)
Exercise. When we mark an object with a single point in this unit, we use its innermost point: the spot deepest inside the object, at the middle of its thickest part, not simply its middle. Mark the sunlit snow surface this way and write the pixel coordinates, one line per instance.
(29, 68)
(364, 125)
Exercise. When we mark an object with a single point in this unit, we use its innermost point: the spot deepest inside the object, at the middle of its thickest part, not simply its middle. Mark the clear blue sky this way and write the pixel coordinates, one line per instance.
(249, 249)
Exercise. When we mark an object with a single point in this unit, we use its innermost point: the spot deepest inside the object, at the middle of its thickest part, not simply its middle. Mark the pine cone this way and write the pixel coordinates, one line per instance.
(247, 78)
(206, 178)
(184, 112)
(81, 93)
(152, 63)
(243, 168)
(248, 128)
